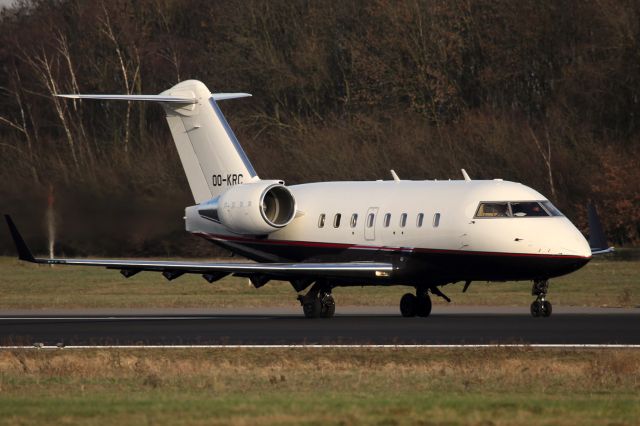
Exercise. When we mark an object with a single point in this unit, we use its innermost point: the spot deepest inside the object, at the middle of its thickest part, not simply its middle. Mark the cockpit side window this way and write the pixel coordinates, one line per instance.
(553, 210)
(527, 209)
(493, 210)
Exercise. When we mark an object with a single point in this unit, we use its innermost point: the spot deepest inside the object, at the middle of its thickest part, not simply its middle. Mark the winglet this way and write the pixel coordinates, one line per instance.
(597, 238)
(23, 251)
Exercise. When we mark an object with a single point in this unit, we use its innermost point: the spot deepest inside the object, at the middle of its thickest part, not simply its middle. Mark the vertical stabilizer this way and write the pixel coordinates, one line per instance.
(210, 153)
(212, 158)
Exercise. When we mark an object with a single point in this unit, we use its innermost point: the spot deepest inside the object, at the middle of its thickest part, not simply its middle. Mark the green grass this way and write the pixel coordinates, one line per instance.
(26, 286)
(327, 386)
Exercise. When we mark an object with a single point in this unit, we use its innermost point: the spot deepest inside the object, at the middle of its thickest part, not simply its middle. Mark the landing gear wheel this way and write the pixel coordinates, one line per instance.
(312, 308)
(540, 307)
(328, 306)
(423, 304)
(535, 309)
(408, 305)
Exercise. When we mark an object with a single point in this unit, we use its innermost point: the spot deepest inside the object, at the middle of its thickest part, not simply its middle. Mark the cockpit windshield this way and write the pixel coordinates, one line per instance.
(516, 209)
(527, 208)
(493, 210)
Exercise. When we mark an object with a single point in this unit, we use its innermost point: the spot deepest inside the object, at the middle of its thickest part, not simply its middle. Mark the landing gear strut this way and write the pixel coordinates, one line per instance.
(318, 302)
(540, 307)
(416, 305)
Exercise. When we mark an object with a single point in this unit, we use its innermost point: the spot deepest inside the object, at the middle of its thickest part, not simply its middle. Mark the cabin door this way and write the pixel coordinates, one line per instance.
(370, 224)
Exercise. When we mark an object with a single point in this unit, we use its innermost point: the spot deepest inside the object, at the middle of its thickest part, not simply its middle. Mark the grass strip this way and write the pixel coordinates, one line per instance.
(326, 386)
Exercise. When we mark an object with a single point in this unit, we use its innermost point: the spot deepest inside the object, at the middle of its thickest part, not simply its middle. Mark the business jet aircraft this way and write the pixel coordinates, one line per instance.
(317, 236)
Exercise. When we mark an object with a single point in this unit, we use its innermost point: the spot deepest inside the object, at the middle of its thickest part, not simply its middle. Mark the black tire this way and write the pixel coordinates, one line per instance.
(535, 309)
(408, 305)
(546, 309)
(312, 309)
(423, 305)
(328, 307)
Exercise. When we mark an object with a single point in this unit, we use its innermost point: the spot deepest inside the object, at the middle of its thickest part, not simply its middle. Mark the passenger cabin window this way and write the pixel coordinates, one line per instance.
(336, 220)
(387, 220)
(321, 221)
(419, 220)
(403, 220)
(493, 210)
(370, 219)
(354, 220)
(436, 220)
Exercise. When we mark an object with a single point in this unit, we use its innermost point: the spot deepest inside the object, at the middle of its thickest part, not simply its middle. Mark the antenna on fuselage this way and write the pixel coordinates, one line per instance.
(394, 175)
(465, 175)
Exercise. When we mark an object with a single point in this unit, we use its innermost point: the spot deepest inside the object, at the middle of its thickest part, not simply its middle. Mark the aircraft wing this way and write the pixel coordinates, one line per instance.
(174, 269)
(597, 237)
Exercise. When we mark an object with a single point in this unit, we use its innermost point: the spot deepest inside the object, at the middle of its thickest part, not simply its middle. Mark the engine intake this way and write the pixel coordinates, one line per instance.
(277, 206)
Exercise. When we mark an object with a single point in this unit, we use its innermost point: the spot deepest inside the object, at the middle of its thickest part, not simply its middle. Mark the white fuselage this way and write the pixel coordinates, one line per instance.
(455, 202)
(449, 225)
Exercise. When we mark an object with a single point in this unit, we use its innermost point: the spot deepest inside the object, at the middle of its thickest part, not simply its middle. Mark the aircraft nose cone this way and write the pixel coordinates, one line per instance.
(575, 242)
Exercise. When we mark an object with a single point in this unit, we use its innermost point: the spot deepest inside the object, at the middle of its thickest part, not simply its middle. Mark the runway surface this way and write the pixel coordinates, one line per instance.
(483, 325)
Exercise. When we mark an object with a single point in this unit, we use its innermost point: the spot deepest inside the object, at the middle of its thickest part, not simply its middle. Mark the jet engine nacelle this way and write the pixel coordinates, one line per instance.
(255, 208)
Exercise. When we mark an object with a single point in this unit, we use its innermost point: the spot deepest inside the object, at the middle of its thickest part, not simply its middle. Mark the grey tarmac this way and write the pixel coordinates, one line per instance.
(351, 325)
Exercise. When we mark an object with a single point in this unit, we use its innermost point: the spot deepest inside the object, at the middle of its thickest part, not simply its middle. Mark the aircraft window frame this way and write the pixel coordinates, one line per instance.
(403, 220)
(371, 219)
(436, 220)
(321, 220)
(387, 220)
(419, 220)
(336, 220)
(354, 220)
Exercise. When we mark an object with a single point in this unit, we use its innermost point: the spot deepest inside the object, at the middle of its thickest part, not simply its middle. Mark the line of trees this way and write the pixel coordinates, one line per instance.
(544, 92)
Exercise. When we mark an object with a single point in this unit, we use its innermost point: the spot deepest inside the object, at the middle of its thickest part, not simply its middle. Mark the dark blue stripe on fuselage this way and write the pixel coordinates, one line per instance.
(416, 266)
(233, 138)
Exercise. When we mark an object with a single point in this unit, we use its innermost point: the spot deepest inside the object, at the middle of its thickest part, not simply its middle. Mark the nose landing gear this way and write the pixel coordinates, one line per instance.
(540, 307)
(416, 305)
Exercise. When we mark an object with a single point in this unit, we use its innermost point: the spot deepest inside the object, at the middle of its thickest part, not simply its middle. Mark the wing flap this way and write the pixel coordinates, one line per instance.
(346, 269)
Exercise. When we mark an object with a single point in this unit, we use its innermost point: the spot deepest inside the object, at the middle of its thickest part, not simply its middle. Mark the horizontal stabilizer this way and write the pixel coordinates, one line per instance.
(223, 96)
(153, 98)
(156, 98)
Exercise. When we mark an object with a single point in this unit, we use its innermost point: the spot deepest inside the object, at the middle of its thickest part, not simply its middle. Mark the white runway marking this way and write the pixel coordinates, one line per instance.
(140, 318)
(524, 346)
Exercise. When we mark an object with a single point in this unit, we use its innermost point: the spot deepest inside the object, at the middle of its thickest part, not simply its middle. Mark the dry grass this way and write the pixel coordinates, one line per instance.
(335, 386)
(27, 286)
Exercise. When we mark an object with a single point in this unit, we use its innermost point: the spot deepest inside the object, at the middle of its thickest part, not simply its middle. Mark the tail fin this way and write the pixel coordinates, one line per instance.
(211, 155)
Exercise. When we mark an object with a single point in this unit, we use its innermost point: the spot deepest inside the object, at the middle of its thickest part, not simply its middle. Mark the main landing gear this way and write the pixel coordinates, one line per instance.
(318, 302)
(540, 307)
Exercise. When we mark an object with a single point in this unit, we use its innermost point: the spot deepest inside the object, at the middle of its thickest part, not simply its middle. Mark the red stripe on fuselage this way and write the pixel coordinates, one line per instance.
(380, 248)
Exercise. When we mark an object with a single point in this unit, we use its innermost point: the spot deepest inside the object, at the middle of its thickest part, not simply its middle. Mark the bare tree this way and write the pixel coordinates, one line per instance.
(42, 65)
(107, 30)
(546, 156)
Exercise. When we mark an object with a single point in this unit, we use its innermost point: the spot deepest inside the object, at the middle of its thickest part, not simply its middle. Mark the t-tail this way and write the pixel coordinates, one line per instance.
(210, 153)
